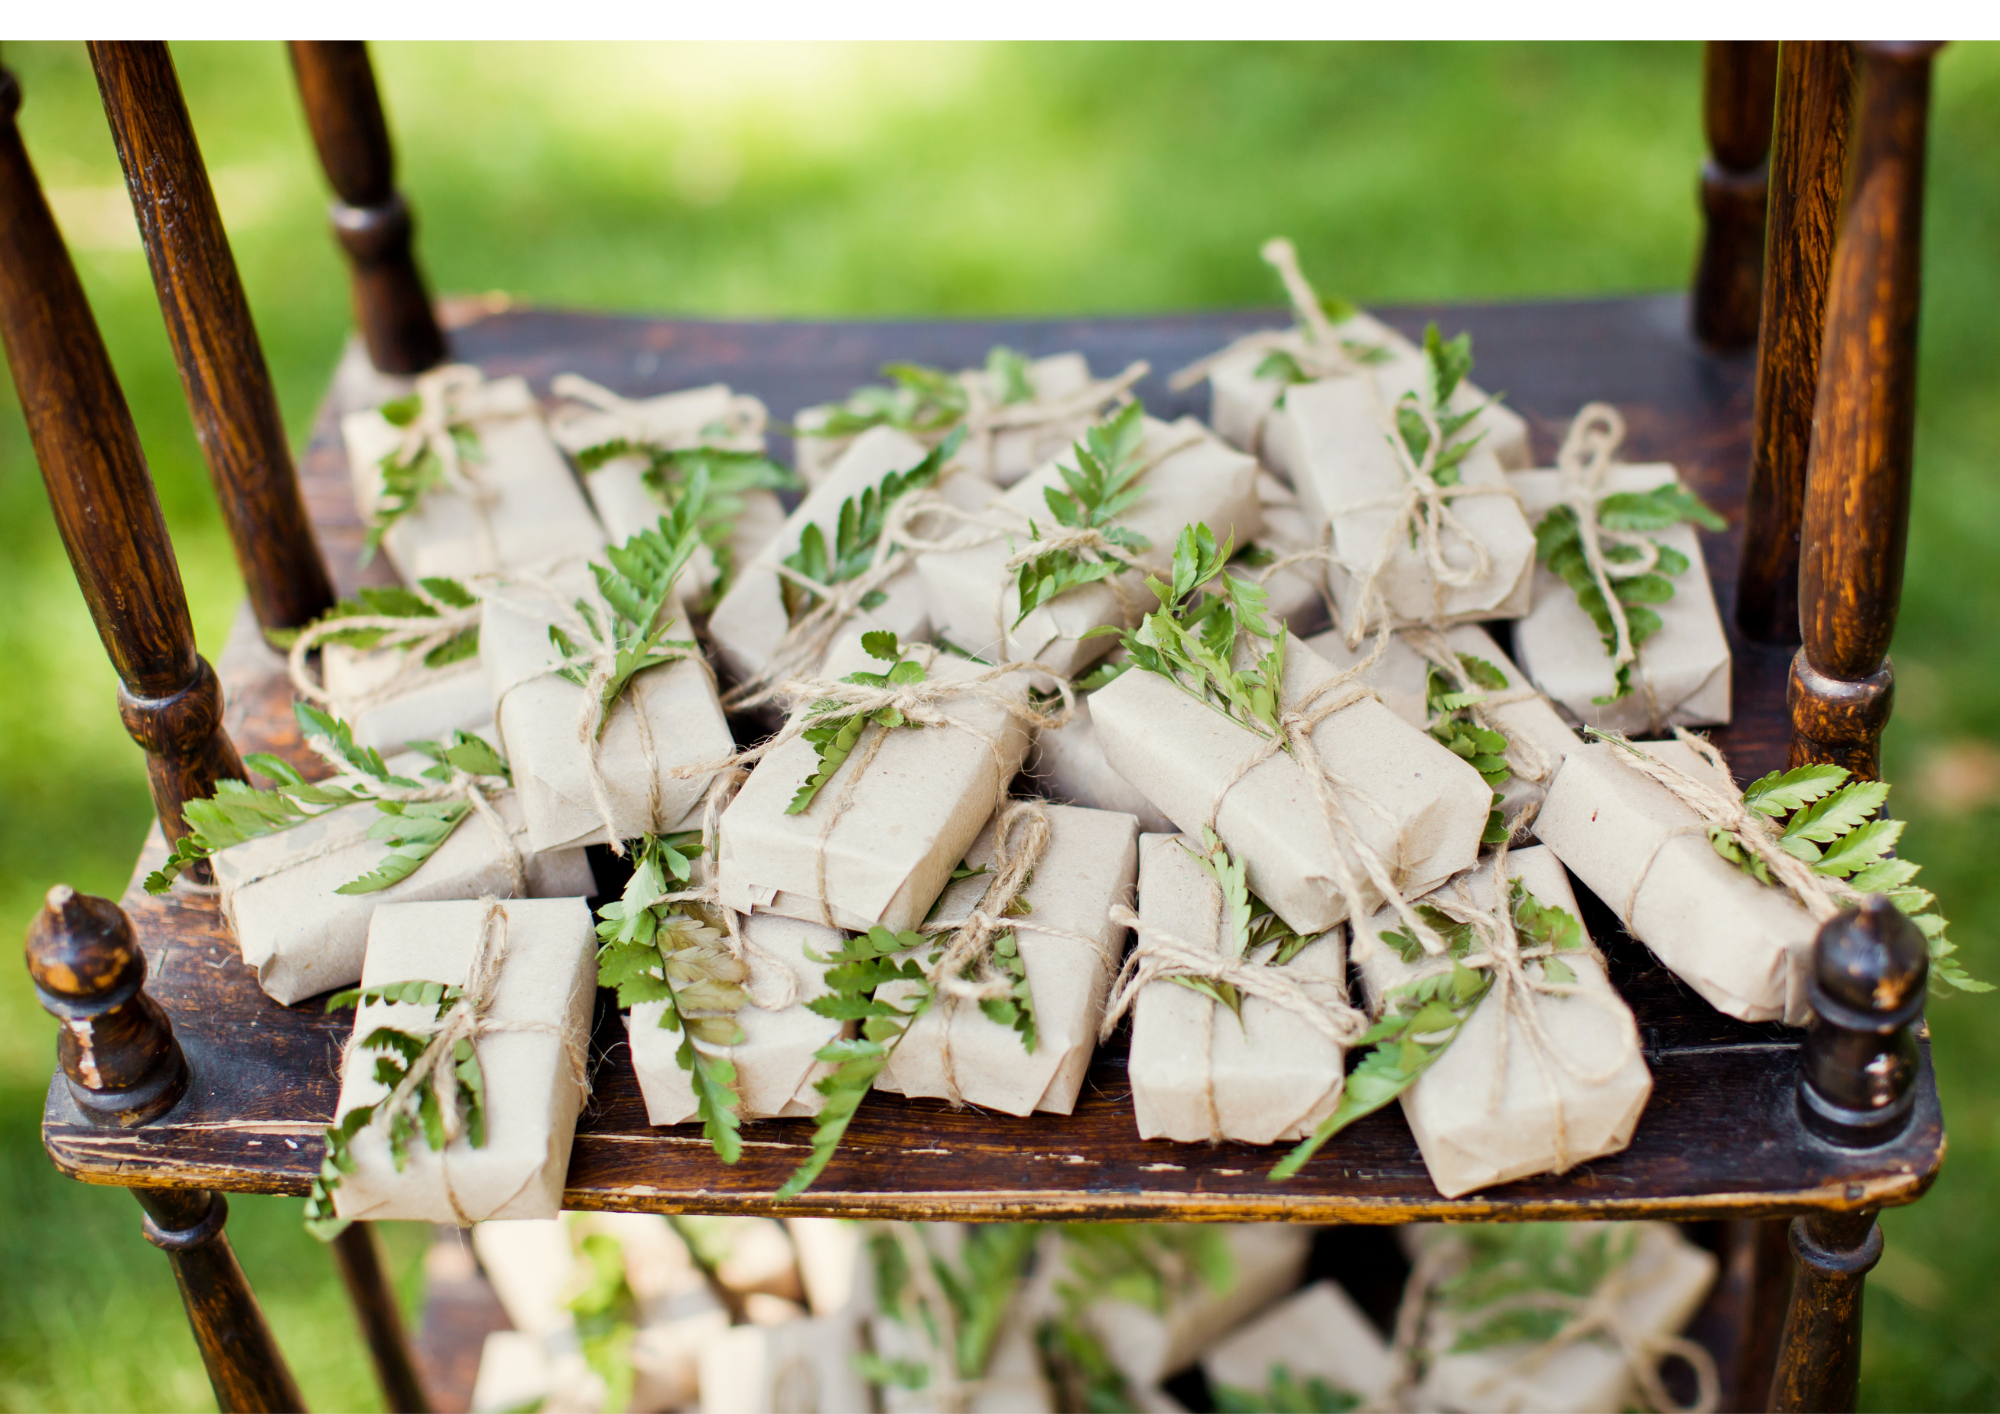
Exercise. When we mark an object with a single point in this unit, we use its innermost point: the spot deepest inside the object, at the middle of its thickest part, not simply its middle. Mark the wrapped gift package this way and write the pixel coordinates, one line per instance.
(534, 1027)
(1193, 477)
(1316, 1333)
(1487, 1110)
(530, 515)
(1428, 808)
(1659, 1288)
(303, 937)
(1066, 763)
(390, 703)
(696, 417)
(775, 1069)
(915, 810)
(1297, 594)
(1199, 1071)
(1539, 739)
(833, 1267)
(537, 714)
(750, 624)
(1244, 404)
(1089, 865)
(1012, 1382)
(1744, 946)
(776, 1369)
(1681, 677)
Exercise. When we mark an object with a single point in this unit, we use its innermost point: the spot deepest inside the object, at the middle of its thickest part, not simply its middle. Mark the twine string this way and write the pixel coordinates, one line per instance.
(1524, 758)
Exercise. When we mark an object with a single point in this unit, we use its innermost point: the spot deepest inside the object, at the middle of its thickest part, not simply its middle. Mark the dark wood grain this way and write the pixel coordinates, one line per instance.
(357, 1256)
(1857, 504)
(215, 341)
(371, 220)
(1808, 165)
(102, 493)
(1721, 1138)
(1737, 82)
(1819, 1365)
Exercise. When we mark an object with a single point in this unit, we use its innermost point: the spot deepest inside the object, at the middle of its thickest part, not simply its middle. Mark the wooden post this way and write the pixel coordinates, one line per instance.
(1819, 1363)
(1808, 164)
(125, 1068)
(1737, 79)
(103, 495)
(1857, 500)
(370, 219)
(215, 342)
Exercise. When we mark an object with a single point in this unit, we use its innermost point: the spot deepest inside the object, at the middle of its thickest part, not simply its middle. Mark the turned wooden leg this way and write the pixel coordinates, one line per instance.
(370, 219)
(103, 497)
(1808, 164)
(124, 1068)
(1857, 1088)
(221, 360)
(1737, 79)
(1857, 497)
(358, 1256)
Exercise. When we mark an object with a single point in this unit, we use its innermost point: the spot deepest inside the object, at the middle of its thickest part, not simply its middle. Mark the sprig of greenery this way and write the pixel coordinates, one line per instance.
(636, 581)
(404, 484)
(1830, 823)
(1016, 1011)
(1190, 640)
(1146, 1264)
(1505, 1264)
(608, 1316)
(837, 726)
(857, 532)
(420, 1113)
(1452, 725)
(1559, 545)
(1287, 1394)
(413, 830)
(921, 400)
(1248, 924)
(1100, 490)
(651, 951)
(1421, 1018)
(859, 967)
(978, 1289)
(396, 602)
(1445, 365)
(670, 473)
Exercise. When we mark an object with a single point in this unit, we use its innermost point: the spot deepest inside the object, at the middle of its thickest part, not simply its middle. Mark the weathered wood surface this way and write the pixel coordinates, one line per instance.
(1721, 1138)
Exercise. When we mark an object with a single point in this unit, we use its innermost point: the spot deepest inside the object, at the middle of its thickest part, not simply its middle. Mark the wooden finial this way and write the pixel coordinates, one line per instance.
(117, 1047)
(370, 219)
(221, 360)
(1737, 81)
(1858, 1066)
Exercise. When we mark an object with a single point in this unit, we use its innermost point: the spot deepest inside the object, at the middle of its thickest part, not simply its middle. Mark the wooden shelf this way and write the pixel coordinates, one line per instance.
(1720, 1138)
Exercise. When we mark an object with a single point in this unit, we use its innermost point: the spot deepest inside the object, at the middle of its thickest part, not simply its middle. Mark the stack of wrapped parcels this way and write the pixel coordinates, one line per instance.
(1034, 717)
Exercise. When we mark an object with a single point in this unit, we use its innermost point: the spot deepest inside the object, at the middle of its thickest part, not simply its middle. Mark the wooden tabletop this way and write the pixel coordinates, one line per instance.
(1720, 1137)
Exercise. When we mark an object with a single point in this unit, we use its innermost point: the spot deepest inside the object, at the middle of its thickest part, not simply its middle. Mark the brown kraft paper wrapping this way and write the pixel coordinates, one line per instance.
(435, 703)
(1066, 763)
(1490, 1110)
(1090, 864)
(1315, 1333)
(537, 1024)
(914, 811)
(1743, 945)
(1428, 807)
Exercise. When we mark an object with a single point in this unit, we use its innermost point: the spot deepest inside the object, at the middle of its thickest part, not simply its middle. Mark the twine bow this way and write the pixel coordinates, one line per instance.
(1524, 758)
(415, 637)
(743, 416)
(446, 402)
(1588, 452)
(1311, 343)
(1721, 807)
(986, 419)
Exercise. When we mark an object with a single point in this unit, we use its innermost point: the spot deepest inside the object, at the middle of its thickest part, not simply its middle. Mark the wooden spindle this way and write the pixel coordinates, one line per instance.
(370, 218)
(1857, 499)
(1819, 1363)
(1808, 164)
(1737, 80)
(1858, 1066)
(124, 1068)
(221, 360)
(103, 496)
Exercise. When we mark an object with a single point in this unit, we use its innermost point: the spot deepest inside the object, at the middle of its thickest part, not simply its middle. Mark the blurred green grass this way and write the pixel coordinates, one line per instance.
(914, 179)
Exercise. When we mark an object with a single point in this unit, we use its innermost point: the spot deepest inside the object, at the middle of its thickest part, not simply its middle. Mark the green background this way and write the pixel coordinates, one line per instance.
(918, 179)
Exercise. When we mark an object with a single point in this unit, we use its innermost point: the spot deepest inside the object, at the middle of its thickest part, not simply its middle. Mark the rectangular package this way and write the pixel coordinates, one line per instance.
(749, 626)
(1198, 1071)
(532, 516)
(1428, 807)
(1488, 1111)
(695, 417)
(1660, 1286)
(303, 937)
(1089, 865)
(1540, 738)
(1744, 946)
(775, 1065)
(390, 702)
(918, 807)
(1316, 1334)
(776, 1369)
(539, 715)
(539, 1018)
(1067, 764)
(1682, 676)
(974, 600)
